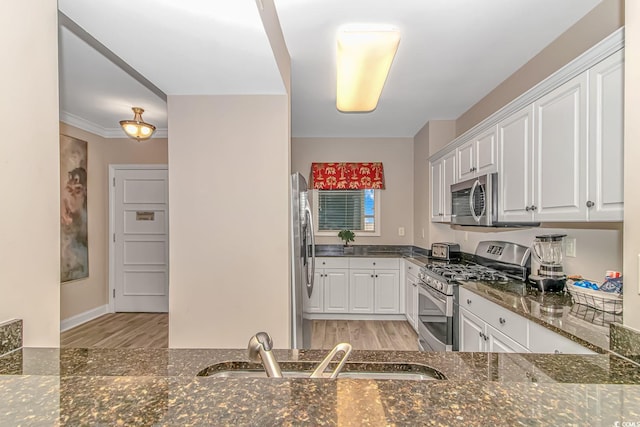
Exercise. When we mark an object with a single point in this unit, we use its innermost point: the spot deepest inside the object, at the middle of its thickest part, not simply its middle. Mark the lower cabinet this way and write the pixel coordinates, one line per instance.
(477, 335)
(374, 291)
(486, 326)
(411, 301)
(342, 288)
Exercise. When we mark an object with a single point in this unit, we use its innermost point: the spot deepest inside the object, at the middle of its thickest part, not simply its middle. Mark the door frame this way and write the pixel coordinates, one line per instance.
(112, 229)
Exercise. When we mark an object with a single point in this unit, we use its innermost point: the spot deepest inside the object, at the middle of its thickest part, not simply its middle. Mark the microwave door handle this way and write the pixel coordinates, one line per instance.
(476, 218)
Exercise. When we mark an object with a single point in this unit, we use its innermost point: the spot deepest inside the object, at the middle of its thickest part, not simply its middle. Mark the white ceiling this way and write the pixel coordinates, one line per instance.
(451, 54)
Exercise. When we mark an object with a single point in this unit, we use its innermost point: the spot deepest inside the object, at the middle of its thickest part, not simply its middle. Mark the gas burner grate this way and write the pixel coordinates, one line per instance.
(455, 272)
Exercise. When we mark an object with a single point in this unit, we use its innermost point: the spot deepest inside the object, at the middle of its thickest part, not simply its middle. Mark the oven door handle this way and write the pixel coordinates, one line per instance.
(472, 207)
(443, 302)
(434, 295)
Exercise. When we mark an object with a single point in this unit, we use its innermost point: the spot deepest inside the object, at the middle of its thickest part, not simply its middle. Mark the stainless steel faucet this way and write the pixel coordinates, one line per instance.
(261, 344)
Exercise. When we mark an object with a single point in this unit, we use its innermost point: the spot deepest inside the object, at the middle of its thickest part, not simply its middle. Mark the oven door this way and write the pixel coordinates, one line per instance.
(435, 320)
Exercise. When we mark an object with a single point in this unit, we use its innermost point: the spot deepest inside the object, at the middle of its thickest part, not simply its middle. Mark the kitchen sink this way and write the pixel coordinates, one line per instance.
(353, 370)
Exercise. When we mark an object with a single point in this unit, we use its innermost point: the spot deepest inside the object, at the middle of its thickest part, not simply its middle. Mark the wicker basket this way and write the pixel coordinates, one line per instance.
(603, 301)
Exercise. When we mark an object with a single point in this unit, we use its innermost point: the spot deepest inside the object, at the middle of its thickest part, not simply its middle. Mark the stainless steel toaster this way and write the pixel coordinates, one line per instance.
(445, 250)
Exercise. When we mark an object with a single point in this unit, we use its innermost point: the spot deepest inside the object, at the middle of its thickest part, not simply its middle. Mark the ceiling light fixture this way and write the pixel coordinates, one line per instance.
(137, 128)
(364, 59)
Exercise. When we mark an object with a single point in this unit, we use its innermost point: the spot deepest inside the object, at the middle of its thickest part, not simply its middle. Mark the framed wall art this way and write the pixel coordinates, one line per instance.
(74, 247)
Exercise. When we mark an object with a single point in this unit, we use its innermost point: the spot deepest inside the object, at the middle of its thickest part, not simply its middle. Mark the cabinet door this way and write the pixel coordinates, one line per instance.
(515, 166)
(435, 179)
(606, 139)
(471, 331)
(361, 291)
(448, 178)
(411, 302)
(387, 291)
(315, 303)
(543, 340)
(497, 342)
(336, 291)
(467, 160)
(486, 154)
(561, 152)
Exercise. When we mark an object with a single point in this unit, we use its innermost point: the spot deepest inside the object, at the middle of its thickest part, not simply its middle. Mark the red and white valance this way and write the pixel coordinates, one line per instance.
(347, 176)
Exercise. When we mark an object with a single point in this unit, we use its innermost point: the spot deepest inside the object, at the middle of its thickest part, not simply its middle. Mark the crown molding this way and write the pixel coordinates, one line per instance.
(109, 133)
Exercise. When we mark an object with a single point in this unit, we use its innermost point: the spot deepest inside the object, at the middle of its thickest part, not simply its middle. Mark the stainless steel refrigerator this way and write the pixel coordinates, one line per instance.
(303, 261)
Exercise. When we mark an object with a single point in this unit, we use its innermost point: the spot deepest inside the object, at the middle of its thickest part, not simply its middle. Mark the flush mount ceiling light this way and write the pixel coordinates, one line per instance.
(364, 59)
(137, 128)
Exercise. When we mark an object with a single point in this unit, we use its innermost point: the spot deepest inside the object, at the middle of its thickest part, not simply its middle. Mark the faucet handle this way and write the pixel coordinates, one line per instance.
(319, 371)
(265, 339)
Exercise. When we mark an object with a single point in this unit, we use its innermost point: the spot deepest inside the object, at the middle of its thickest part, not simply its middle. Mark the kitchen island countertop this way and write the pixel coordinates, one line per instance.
(160, 387)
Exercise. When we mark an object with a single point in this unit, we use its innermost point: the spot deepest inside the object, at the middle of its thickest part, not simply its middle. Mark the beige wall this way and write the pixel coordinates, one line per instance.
(596, 25)
(430, 139)
(29, 164)
(82, 295)
(396, 155)
(228, 221)
(631, 158)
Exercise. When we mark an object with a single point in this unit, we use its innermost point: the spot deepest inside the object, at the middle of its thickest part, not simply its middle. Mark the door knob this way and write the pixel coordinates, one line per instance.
(468, 301)
(502, 321)
(527, 209)
(534, 207)
(590, 204)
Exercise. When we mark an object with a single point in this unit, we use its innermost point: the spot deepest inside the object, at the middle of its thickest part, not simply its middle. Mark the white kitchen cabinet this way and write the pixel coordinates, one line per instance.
(543, 149)
(387, 292)
(486, 326)
(330, 289)
(515, 166)
(442, 176)
(543, 340)
(478, 156)
(361, 291)
(411, 294)
(336, 291)
(606, 139)
(560, 152)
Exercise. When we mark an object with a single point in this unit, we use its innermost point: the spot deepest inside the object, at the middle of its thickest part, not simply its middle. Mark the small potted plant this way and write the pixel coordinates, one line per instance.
(347, 236)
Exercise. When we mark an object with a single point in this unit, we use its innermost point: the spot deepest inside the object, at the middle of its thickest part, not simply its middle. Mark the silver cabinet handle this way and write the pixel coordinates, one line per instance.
(468, 301)
(376, 275)
(409, 267)
(323, 263)
(372, 276)
(590, 204)
(534, 207)
(527, 209)
(374, 263)
(502, 320)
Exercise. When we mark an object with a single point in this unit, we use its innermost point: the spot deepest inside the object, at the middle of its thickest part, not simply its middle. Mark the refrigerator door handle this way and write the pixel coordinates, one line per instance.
(310, 271)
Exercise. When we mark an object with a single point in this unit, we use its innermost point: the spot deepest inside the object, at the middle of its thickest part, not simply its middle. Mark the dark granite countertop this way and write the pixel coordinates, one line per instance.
(160, 387)
(555, 311)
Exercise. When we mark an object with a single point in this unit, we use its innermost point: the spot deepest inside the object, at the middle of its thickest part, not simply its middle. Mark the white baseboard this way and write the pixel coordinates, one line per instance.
(81, 318)
(353, 316)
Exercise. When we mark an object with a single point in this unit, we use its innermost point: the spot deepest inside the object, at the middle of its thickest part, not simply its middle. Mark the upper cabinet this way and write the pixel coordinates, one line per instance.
(606, 139)
(558, 149)
(478, 156)
(442, 176)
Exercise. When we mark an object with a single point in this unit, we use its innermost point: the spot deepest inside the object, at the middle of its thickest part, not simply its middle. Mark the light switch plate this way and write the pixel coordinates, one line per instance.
(570, 247)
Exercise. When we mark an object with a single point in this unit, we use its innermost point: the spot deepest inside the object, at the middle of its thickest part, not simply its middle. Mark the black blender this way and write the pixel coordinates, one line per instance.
(547, 250)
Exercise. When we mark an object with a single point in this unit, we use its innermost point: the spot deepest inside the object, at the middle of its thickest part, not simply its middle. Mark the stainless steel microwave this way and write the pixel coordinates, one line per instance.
(475, 202)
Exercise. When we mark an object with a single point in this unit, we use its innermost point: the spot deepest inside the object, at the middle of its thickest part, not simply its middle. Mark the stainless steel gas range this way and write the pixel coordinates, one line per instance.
(493, 261)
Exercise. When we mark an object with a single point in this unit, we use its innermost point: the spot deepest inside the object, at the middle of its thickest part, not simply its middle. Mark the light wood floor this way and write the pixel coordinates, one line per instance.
(150, 330)
(364, 334)
(120, 330)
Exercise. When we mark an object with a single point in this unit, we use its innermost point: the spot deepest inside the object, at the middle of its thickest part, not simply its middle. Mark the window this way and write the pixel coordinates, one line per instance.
(356, 210)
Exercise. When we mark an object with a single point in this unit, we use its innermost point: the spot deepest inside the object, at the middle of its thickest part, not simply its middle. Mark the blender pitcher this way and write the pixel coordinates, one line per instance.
(547, 249)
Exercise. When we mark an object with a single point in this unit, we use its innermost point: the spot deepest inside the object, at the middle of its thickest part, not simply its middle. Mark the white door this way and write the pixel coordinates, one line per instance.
(336, 291)
(361, 291)
(448, 178)
(140, 239)
(467, 161)
(486, 155)
(497, 342)
(436, 190)
(471, 332)
(561, 153)
(387, 291)
(515, 151)
(315, 302)
(606, 139)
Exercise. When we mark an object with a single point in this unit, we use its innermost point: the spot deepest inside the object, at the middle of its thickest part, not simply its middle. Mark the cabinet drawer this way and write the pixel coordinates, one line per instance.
(514, 326)
(543, 340)
(386, 263)
(332, 262)
(411, 269)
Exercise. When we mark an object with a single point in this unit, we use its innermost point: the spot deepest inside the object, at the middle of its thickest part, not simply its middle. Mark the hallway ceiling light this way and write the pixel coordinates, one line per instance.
(137, 128)
(364, 59)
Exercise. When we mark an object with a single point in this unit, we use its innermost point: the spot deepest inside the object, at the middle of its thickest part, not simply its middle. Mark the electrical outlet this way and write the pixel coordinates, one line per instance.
(400, 231)
(570, 247)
